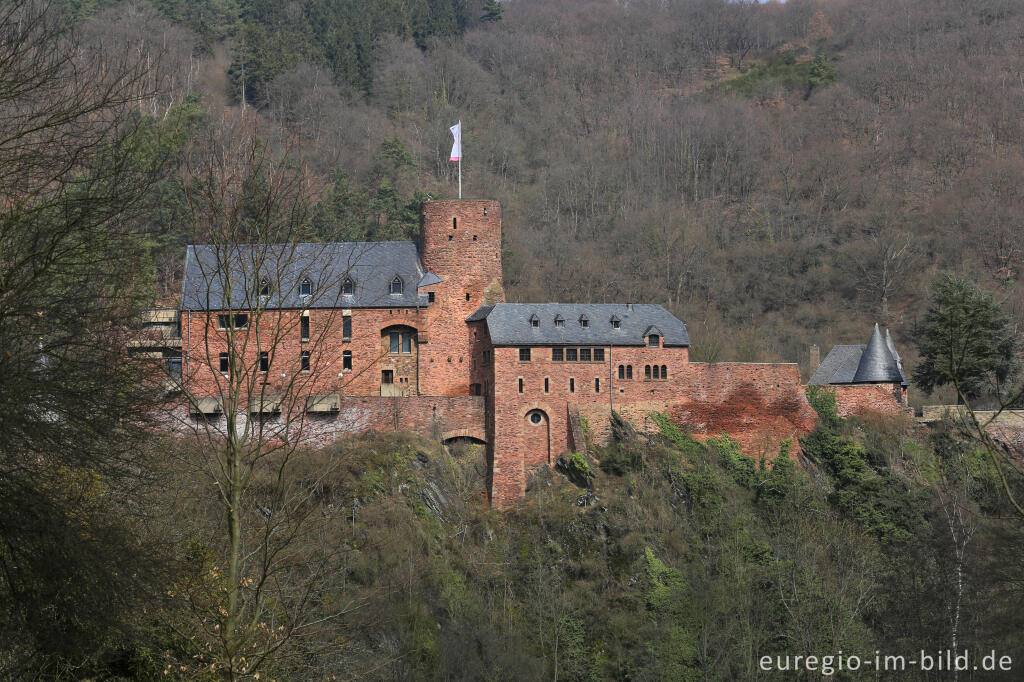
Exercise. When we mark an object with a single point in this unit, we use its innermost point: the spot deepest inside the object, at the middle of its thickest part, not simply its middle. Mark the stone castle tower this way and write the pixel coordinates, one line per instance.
(460, 246)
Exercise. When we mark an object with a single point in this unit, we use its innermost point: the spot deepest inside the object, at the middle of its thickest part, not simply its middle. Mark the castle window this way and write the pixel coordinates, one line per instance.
(657, 372)
(240, 321)
(304, 359)
(430, 297)
(547, 385)
(396, 286)
(616, 324)
(622, 372)
(387, 376)
(572, 385)
(664, 371)
(346, 360)
(264, 361)
(559, 321)
(400, 342)
(584, 355)
(346, 327)
(629, 372)
(653, 341)
(474, 237)
(520, 384)
(571, 354)
(524, 355)
(224, 363)
(556, 355)
(475, 389)
(467, 295)
(536, 418)
(450, 238)
(534, 321)
(348, 287)
(597, 385)
(584, 322)
(647, 372)
(306, 287)
(599, 355)
(304, 327)
(455, 222)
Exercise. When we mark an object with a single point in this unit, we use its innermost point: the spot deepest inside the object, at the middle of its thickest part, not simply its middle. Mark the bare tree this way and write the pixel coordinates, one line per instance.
(248, 211)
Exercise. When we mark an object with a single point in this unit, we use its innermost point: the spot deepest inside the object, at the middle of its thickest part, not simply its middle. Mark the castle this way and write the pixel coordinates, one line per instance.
(417, 336)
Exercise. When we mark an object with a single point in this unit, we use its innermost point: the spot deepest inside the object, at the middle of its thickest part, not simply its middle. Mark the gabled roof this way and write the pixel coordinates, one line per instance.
(509, 324)
(876, 362)
(211, 272)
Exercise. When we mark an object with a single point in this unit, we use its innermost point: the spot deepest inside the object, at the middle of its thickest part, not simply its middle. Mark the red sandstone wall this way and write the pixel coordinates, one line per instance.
(279, 334)
(468, 258)
(757, 404)
(516, 449)
(860, 398)
(432, 417)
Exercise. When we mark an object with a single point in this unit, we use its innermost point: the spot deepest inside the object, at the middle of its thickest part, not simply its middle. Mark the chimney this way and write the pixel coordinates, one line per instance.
(815, 358)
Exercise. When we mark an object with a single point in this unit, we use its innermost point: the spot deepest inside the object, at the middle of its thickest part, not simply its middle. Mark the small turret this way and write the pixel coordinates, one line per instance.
(877, 364)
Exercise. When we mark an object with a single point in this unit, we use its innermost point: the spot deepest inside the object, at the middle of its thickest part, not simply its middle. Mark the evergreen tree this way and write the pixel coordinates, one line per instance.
(966, 341)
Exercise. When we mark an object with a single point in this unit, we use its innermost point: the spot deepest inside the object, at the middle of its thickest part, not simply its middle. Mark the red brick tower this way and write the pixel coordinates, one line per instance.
(460, 242)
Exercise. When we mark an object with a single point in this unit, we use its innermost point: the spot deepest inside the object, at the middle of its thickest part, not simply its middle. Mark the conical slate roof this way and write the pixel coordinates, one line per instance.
(877, 364)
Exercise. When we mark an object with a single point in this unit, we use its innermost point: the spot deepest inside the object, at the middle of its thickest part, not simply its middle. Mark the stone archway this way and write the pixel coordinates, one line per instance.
(474, 434)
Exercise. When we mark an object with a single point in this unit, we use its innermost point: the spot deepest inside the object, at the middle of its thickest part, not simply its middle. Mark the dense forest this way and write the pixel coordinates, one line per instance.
(775, 174)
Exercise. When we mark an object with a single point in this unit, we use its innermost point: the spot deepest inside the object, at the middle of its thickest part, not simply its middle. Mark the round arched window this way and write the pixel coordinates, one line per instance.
(536, 417)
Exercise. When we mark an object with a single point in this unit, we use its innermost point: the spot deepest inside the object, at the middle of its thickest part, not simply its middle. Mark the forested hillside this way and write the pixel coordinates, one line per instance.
(777, 174)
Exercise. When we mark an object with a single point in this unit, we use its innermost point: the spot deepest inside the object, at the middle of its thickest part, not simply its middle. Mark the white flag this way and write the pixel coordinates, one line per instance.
(457, 147)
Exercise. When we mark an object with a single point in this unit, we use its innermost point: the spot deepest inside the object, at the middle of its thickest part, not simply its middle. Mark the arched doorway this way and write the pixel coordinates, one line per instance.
(537, 437)
(399, 364)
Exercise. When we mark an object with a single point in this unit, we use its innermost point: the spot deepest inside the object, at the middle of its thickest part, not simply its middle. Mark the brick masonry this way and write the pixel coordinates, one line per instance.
(437, 417)
(859, 398)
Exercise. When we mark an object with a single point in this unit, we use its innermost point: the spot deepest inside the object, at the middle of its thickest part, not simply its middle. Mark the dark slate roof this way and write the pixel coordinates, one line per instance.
(430, 278)
(839, 366)
(861, 364)
(509, 324)
(877, 365)
(211, 271)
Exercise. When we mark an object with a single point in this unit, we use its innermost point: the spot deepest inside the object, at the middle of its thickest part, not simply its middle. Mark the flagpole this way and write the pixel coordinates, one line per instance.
(460, 157)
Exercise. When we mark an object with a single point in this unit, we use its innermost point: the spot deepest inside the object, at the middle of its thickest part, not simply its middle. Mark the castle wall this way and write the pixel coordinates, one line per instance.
(430, 416)
(759, 405)
(856, 399)
(280, 335)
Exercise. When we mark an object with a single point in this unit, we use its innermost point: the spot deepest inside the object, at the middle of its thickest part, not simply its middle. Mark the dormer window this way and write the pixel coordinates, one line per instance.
(348, 287)
(616, 323)
(534, 321)
(653, 341)
(264, 287)
(584, 321)
(396, 286)
(305, 287)
(559, 321)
